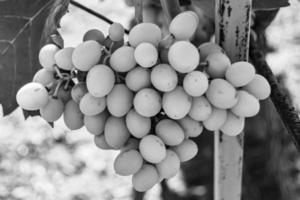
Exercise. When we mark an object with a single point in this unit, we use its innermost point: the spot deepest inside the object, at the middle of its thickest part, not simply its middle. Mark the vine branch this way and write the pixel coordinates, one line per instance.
(281, 101)
(94, 13)
(138, 11)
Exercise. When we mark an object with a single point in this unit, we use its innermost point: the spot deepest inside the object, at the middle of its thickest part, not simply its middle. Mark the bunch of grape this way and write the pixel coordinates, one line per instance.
(147, 97)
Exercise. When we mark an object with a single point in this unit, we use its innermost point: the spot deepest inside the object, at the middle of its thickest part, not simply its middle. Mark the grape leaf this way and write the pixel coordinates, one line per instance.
(25, 25)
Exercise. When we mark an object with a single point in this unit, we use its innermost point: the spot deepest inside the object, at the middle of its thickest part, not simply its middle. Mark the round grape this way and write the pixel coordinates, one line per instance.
(147, 102)
(46, 56)
(146, 54)
(240, 73)
(216, 120)
(164, 77)
(259, 87)
(144, 32)
(63, 58)
(90, 105)
(187, 150)
(116, 32)
(201, 109)
(100, 142)
(195, 83)
(95, 35)
(247, 105)
(128, 162)
(218, 63)
(208, 48)
(122, 60)
(44, 77)
(170, 166)
(145, 178)
(152, 149)
(191, 128)
(137, 79)
(95, 124)
(138, 125)
(73, 117)
(234, 125)
(170, 132)
(53, 110)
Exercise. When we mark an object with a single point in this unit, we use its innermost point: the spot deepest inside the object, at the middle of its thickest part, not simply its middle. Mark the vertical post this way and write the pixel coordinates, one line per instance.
(232, 33)
(138, 11)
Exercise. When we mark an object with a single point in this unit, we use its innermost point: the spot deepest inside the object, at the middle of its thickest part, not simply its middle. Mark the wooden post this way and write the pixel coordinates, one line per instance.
(232, 19)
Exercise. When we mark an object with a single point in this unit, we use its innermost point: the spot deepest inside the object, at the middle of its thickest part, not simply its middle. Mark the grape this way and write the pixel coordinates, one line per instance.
(176, 104)
(194, 14)
(78, 91)
(145, 178)
(147, 102)
(247, 105)
(259, 87)
(169, 167)
(94, 34)
(116, 132)
(137, 125)
(95, 124)
(86, 55)
(209, 48)
(46, 56)
(73, 117)
(146, 54)
(119, 100)
(170, 132)
(53, 110)
(216, 120)
(152, 149)
(137, 79)
(144, 32)
(221, 94)
(191, 127)
(63, 58)
(218, 63)
(184, 25)
(128, 162)
(129, 3)
(183, 56)
(164, 77)
(32, 96)
(122, 60)
(44, 77)
(195, 83)
(90, 105)
(186, 150)
(132, 143)
(100, 142)
(240, 73)
(64, 94)
(201, 109)
(100, 80)
(116, 32)
(234, 125)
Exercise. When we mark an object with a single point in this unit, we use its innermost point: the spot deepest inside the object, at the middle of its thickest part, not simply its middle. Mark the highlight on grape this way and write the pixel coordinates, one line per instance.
(147, 97)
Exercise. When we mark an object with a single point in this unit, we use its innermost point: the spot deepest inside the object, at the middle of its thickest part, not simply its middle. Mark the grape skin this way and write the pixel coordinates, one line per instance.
(100, 142)
(247, 105)
(147, 102)
(152, 149)
(137, 125)
(64, 94)
(176, 104)
(63, 58)
(183, 56)
(32, 96)
(186, 150)
(201, 109)
(234, 125)
(218, 63)
(169, 167)
(216, 120)
(191, 128)
(137, 79)
(100, 80)
(132, 143)
(78, 91)
(119, 100)
(184, 25)
(53, 110)
(221, 94)
(208, 48)
(128, 162)
(86, 55)
(94, 34)
(116, 32)
(116, 132)
(95, 124)
(146, 55)
(195, 83)
(240, 73)
(122, 60)
(46, 56)
(44, 77)
(259, 87)
(170, 132)
(164, 77)
(145, 178)
(144, 32)
(73, 117)
(90, 105)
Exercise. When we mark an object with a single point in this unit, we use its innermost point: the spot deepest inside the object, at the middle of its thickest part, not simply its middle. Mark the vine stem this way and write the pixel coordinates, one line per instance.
(94, 13)
(171, 8)
(138, 11)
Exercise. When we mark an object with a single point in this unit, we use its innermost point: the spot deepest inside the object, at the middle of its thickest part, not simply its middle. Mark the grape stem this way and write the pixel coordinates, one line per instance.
(57, 88)
(280, 99)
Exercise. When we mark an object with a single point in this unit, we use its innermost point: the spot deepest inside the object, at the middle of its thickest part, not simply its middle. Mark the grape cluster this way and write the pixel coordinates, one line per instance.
(147, 97)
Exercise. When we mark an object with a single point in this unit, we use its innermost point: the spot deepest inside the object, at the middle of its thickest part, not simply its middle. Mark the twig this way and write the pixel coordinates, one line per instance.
(171, 8)
(92, 12)
(138, 9)
(283, 105)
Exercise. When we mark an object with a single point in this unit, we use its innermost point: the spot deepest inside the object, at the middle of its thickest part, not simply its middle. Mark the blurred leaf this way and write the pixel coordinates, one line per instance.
(25, 25)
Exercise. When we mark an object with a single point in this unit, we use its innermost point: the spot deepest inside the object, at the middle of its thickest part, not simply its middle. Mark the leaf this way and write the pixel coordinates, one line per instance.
(25, 26)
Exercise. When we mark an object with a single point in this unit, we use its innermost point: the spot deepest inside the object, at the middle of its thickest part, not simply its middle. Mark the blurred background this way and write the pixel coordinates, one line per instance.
(38, 162)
